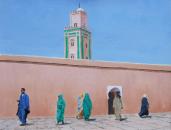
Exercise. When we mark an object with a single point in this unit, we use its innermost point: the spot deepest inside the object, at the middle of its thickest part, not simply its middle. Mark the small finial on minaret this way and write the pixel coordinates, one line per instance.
(79, 5)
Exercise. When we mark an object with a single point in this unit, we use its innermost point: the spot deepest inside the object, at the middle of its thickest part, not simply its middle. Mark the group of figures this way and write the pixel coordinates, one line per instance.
(83, 110)
(84, 107)
(115, 105)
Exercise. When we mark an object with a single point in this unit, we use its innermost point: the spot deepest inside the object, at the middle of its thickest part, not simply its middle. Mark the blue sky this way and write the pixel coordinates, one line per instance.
(137, 31)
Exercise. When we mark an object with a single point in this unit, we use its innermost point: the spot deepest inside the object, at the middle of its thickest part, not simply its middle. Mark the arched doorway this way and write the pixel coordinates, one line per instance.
(111, 90)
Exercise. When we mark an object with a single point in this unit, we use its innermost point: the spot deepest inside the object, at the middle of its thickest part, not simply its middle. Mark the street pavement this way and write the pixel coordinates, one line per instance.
(158, 121)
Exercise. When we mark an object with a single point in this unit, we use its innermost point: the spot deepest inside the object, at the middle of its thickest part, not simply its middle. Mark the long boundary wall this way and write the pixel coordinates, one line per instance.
(45, 78)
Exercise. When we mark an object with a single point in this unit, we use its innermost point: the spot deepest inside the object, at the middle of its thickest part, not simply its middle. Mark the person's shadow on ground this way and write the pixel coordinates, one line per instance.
(146, 116)
(27, 124)
(123, 119)
(92, 119)
(65, 123)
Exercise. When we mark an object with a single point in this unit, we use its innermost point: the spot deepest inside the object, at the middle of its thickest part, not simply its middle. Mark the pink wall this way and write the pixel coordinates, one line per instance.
(44, 78)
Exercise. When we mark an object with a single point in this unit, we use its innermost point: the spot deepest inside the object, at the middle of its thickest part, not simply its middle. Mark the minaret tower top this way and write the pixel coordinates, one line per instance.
(78, 18)
(77, 36)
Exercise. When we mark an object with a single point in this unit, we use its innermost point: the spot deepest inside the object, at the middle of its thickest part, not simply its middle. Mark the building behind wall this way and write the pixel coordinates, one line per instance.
(77, 37)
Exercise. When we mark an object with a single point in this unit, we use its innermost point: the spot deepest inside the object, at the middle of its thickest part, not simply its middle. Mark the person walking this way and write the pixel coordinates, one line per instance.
(60, 109)
(23, 107)
(117, 104)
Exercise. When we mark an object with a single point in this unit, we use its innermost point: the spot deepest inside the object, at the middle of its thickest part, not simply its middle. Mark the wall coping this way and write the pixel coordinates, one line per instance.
(84, 63)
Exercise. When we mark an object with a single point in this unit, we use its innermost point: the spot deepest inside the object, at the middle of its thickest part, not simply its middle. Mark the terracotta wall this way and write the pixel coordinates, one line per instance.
(45, 78)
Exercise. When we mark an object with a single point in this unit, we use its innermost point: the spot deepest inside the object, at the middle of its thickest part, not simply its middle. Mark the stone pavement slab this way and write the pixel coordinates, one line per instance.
(159, 121)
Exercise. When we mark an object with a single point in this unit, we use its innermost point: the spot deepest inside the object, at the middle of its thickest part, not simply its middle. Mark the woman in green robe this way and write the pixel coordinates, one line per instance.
(87, 106)
(60, 109)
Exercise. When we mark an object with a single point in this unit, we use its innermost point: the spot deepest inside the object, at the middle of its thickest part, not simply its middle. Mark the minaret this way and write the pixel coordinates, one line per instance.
(77, 36)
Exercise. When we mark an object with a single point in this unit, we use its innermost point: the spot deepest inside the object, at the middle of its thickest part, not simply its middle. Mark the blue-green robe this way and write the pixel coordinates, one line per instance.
(87, 106)
(60, 109)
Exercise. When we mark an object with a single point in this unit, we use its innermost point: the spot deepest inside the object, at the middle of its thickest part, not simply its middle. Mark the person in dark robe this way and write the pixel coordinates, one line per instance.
(87, 107)
(110, 103)
(23, 107)
(60, 109)
(144, 112)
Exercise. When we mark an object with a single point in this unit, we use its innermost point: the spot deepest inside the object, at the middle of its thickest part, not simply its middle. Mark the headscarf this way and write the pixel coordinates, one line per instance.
(61, 101)
(144, 95)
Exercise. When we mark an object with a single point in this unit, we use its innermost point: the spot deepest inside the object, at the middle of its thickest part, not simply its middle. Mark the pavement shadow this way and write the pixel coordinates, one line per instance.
(30, 124)
(65, 123)
(92, 119)
(146, 116)
(123, 119)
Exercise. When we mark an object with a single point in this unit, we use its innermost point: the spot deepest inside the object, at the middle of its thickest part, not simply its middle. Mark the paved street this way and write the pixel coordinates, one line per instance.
(159, 121)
